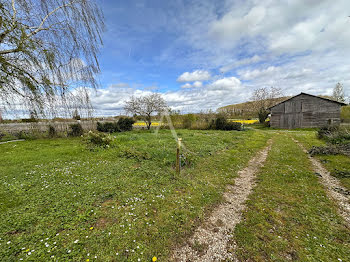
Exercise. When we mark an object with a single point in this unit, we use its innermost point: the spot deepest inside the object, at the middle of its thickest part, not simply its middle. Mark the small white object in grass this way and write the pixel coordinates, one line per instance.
(76, 241)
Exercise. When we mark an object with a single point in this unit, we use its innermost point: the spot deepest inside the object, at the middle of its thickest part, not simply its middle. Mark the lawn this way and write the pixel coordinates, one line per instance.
(337, 165)
(289, 216)
(62, 202)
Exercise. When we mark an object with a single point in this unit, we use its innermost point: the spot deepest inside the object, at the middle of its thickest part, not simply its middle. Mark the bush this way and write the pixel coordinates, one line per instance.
(52, 131)
(326, 131)
(107, 127)
(334, 135)
(123, 124)
(1, 135)
(29, 120)
(233, 126)
(94, 140)
(220, 123)
(76, 130)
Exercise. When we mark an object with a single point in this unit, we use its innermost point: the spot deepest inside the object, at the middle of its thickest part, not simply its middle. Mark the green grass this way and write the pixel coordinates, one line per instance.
(60, 201)
(335, 164)
(289, 216)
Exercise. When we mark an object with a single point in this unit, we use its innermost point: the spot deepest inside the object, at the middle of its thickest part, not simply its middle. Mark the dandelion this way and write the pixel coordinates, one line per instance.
(76, 241)
(87, 260)
(91, 228)
(27, 250)
(154, 259)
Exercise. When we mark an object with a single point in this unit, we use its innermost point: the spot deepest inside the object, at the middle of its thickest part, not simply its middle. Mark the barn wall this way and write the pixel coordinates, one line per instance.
(305, 111)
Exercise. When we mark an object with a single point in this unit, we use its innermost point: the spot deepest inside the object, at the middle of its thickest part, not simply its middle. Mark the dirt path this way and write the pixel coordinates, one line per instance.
(211, 241)
(332, 184)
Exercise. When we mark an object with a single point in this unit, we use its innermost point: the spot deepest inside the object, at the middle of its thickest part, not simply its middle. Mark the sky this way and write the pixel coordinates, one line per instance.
(204, 54)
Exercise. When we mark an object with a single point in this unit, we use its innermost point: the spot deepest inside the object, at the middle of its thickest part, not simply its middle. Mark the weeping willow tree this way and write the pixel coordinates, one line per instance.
(47, 48)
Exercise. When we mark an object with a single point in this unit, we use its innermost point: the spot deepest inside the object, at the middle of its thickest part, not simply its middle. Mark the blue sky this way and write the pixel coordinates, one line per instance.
(205, 54)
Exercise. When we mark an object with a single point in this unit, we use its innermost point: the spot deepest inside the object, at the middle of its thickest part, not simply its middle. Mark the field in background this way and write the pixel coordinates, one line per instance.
(245, 122)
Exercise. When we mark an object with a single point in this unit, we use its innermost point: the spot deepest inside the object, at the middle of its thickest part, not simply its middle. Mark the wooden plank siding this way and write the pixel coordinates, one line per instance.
(305, 111)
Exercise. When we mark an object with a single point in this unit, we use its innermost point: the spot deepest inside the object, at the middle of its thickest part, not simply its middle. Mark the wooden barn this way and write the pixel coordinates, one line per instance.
(304, 110)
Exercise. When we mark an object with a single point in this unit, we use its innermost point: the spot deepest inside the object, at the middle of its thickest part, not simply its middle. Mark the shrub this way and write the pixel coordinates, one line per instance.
(233, 126)
(52, 131)
(1, 135)
(326, 131)
(107, 127)
(29, 120)
(28, 135)
(76, 130)
(94, 140)
(221, 123)
(334, 134)
(123, 124)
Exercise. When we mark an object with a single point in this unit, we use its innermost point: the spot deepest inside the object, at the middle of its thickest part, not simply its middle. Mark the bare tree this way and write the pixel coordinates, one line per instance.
(338, 93)
(145, 107)
(264, 98)
(46, 48)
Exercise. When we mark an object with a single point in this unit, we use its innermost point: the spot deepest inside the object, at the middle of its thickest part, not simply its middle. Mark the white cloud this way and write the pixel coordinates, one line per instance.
(232, 27)
(256, 73)
(187, 85)
(110, 101)
(229, 83)
(197, 75)
(242, 62)
(197, 84)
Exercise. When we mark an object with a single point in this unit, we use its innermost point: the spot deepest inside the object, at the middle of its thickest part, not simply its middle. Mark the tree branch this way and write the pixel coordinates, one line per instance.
(14, 14)
(39, 28)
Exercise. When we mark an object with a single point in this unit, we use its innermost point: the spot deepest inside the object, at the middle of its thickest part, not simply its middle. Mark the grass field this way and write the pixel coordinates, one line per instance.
(62, 202)
(289, 216)
(335, 164)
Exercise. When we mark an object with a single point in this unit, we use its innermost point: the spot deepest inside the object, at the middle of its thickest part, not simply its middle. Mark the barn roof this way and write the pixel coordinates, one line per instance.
(341, 103)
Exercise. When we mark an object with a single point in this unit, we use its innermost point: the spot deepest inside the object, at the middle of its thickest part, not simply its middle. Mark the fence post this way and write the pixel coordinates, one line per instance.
(178, 163)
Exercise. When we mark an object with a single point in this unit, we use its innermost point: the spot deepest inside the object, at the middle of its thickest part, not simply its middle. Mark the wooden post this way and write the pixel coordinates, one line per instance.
(178, 163)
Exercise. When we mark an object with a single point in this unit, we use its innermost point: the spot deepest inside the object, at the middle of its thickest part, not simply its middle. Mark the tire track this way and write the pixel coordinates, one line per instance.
(213, 239)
